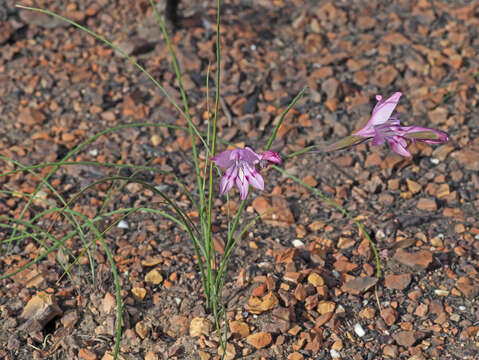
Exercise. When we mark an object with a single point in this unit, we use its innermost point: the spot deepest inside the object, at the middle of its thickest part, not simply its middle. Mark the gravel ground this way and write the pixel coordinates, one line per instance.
(301, 284)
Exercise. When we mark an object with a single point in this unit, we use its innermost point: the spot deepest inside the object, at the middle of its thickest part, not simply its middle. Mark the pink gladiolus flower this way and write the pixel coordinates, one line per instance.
(240, 165)
(383, 127)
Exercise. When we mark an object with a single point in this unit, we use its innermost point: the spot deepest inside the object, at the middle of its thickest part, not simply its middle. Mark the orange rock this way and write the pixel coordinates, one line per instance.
(315, 279)
(425, 204)
(259, 340)
(240, 328)
(367, 313)
(154, 277)
(86, 354)
(258, 305)
(295, 356)
(138, 293)
(310, 180)
(413, 186)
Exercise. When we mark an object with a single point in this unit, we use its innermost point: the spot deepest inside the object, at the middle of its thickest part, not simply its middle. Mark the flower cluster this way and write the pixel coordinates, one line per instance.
(240, 165)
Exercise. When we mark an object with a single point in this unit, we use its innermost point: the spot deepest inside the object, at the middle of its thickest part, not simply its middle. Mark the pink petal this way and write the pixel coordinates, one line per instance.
(398, 144)
(381, 113)
(223, 159)
(378, 139)
(248, 155)
(243, 186)
(253, 177)
(228, 179)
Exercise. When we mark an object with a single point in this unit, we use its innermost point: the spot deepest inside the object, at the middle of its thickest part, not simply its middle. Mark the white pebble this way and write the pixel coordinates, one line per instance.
(93, 152)
(380, 235)
(441, 292)
(358, 329)
(462, 307)
(434, 161)
(334, 354)
(298, 243)
(177, 301)
(123, 224)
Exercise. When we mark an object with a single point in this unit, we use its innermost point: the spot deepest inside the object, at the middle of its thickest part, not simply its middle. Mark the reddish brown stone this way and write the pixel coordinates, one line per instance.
(466, 287)
(397, 282)
(468, 157)
(31, 117)
(389, 316)
(6, 31)
(405, 338)
(384, 76)
(418, 260)
(391, 351)
(359, 284)
(427, 204)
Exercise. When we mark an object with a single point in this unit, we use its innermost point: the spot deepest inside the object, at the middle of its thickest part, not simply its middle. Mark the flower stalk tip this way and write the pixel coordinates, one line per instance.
(384, 127)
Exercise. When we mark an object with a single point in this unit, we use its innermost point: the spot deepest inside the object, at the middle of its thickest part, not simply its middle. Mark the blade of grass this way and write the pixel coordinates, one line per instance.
(105, 164)
(281, 118)
(191, 126)
(72, 220)
(209, 240)
(78, 148)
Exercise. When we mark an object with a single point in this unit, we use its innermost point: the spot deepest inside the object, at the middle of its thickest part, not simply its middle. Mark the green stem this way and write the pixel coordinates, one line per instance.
(228, 244)
(209, 240)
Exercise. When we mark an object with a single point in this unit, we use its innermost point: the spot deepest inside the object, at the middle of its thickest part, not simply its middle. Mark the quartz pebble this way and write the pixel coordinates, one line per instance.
(334, 354)
(298, 243)
(358, 329)
(122, 224)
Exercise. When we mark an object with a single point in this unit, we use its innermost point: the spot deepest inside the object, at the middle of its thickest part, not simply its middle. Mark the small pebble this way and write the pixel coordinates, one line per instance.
(334, 354)
(123, 224)
(358, 329)
(440, 292)
(380, 235)
(93, 152)
(434, 161)
(298, 243)
(455, 317)
(462, 307)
